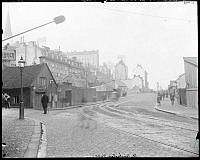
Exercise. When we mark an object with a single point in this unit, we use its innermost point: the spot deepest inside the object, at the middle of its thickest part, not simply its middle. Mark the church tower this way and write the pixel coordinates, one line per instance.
(7, 31)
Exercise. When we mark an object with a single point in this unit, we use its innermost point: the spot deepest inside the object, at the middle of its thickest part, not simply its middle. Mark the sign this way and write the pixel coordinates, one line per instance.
(9, 55)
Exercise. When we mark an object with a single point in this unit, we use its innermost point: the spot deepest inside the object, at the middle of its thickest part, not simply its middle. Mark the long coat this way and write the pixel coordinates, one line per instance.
(45, 100)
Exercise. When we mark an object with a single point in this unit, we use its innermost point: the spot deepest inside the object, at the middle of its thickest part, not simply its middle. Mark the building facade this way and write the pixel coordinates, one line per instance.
(191, 79)
(139, 71)
(9, 56)
(121, 71)
(103, 74)
(64, 69)
(86, 57)
(138, 81)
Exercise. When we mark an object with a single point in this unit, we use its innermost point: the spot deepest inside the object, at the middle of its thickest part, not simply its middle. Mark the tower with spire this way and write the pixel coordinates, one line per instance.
(7, 31)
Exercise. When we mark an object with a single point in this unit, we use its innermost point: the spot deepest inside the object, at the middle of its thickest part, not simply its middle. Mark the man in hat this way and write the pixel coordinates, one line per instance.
(45, 101)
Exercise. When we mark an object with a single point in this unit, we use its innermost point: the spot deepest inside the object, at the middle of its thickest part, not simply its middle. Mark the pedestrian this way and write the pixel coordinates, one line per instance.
(162, 95)
(7, 100)
(3, 99)
(166, 94)
(45, 101)
(172, 98)
(158, 98)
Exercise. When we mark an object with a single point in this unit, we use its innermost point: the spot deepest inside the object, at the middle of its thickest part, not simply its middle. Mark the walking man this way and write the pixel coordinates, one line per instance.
(45, 101)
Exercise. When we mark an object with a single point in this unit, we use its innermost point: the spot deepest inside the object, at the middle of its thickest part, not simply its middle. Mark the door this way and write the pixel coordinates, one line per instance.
(38, 103)
(68, 97)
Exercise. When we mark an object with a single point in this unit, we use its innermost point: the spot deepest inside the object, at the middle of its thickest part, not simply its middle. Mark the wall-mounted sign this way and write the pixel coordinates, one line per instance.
(9, 55)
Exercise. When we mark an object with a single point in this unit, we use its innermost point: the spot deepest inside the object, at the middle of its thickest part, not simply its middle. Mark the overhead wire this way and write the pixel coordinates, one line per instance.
(143, 14)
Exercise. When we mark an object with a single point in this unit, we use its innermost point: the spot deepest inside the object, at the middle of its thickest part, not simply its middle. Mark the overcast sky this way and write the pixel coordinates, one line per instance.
(155, 35)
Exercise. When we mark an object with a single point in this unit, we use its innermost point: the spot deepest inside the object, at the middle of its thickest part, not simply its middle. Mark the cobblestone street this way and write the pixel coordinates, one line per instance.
(114, 136)
(113, 131)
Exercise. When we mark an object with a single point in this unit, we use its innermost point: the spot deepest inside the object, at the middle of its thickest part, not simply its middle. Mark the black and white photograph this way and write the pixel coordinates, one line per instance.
(100, 79)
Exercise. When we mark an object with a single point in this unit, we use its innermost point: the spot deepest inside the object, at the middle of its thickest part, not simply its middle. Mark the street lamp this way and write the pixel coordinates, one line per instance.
(56, 20)
(51, 97)
(21, 109)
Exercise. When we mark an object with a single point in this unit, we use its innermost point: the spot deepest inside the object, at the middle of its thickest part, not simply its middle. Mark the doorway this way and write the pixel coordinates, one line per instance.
(68, 97)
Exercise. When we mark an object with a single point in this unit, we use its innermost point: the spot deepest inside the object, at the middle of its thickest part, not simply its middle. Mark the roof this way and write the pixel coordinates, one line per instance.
(11, 76)
(120, 83)
(121, 62)
(192, 60)
(82, 52)
(180, 76)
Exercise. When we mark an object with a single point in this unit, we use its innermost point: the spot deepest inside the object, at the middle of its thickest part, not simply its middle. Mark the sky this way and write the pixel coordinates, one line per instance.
(156, 35)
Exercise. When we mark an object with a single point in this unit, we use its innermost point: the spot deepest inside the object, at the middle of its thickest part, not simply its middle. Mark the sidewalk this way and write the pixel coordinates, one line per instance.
(19, 135)
(22, 137)
(177, 109)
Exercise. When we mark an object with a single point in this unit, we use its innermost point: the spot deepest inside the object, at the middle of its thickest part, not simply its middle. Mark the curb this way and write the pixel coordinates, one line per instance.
(38, 144)
(175, 113)
(42, 151)
(32, 148)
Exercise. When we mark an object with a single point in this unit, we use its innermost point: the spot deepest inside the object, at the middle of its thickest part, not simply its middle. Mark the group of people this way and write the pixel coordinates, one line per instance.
(5, 100)
(162, 94)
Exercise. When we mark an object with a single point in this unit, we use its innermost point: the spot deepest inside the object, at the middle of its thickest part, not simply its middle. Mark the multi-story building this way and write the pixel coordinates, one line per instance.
(9, 56)
(103, 74)
(138, 81)
(140, 71)
(121, 71)
(86, 57)
(30, 52)
(64, 69)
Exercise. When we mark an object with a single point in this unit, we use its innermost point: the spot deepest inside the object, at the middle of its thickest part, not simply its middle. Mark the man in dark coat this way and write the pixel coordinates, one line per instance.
(45, 101)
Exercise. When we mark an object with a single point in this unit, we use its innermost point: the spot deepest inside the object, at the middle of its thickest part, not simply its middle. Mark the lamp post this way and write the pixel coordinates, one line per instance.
(51, 81)
(21, 109)
(56, 20)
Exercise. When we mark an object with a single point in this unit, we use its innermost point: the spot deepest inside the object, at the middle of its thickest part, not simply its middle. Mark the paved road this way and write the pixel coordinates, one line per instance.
(104, 133)
(161, 127)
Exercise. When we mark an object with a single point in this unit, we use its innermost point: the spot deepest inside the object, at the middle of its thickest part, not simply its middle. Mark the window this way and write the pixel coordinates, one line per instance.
(16, 100)
(43, 81)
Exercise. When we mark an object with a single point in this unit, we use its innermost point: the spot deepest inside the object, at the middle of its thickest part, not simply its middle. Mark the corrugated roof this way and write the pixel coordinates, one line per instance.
(12, 79)
(192, 60)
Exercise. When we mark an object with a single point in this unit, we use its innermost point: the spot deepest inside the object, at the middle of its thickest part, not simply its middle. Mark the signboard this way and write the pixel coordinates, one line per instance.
(9, 55)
